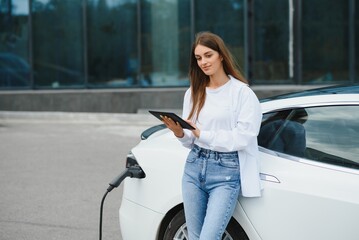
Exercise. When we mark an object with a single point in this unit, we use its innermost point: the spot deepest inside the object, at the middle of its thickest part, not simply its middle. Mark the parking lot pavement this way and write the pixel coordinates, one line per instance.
(55, 168)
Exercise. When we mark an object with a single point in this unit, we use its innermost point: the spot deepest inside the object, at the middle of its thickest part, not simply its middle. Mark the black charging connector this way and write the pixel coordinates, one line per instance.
(133, 171)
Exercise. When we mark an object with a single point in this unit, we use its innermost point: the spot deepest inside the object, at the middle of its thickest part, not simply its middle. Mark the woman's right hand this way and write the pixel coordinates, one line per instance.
(175, 127)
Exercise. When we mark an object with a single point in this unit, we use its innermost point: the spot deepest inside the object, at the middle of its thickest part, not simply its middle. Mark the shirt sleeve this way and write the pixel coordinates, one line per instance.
(248, 116)
(188, 139)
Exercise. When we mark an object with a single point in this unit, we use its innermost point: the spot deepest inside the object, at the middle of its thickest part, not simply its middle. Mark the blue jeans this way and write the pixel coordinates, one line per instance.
(210, 188)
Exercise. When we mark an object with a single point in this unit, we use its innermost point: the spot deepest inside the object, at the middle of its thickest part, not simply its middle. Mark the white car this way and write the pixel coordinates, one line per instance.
(309, 155)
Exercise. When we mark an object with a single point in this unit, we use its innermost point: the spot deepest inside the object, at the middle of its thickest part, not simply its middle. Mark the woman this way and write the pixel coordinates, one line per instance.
(223, 159)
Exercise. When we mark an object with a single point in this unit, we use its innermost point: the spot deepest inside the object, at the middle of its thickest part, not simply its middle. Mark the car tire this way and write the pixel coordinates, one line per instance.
(176, 229)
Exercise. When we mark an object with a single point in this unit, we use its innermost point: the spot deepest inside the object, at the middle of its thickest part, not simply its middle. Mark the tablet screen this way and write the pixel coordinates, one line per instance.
(174, 117)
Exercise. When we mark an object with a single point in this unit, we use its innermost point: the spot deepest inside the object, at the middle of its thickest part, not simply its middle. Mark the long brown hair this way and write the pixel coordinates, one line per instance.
(198, 79)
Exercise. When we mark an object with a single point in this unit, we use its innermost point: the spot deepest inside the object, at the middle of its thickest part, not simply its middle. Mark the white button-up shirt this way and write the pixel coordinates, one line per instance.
(230, 121)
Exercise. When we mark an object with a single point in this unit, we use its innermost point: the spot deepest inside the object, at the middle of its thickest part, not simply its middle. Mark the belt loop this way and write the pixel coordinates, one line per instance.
(199, 152)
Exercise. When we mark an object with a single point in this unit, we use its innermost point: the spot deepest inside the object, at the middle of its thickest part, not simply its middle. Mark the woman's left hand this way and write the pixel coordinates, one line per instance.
(196, 131)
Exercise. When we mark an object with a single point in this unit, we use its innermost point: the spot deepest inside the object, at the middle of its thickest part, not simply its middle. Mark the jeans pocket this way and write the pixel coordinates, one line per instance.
(192, 156)
(230, 161)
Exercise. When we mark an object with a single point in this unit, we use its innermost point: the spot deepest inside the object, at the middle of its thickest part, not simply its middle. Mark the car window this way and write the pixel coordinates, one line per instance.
(323, 134)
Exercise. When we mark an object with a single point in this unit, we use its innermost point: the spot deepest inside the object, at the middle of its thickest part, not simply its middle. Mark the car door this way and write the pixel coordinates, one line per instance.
(310, 173)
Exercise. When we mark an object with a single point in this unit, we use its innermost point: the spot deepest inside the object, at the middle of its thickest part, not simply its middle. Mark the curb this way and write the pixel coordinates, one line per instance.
(75, 117)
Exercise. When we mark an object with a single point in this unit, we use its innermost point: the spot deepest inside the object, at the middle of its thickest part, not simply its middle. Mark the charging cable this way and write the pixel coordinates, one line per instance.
(132, 172)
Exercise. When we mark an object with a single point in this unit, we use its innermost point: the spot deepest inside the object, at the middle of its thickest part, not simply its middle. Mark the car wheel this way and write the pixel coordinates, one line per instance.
(177, 229)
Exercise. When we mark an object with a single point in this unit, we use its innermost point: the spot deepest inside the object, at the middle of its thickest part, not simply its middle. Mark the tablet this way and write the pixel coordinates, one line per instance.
(174, 117)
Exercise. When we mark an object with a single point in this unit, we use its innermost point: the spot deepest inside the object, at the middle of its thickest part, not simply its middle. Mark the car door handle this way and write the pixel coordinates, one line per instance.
(269, 178)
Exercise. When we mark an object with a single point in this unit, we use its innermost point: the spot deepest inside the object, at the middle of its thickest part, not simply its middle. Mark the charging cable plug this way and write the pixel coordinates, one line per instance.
(133, 171)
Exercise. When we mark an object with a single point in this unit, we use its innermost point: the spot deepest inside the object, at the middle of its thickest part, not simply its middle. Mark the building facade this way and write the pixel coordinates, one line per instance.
(77, 44)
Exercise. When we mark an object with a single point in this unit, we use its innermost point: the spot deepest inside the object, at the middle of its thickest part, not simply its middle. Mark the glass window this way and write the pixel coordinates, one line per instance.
(225, 19)
(14, 41)
(58, 43)
(284, 132)
(165, 42)
(271, 41)
(325, 41)
(323, 134)
(112, 43)
(332, 135)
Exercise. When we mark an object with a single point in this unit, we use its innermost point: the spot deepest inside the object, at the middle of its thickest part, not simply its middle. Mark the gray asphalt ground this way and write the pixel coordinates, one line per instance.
(55, 169)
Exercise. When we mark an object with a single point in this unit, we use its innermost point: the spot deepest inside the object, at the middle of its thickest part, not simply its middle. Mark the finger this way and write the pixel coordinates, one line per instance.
(191, 123)
(169, 120)
(170, 123)
(165, 119)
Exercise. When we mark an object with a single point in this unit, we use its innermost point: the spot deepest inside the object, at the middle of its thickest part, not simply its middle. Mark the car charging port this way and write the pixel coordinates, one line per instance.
(133, 170)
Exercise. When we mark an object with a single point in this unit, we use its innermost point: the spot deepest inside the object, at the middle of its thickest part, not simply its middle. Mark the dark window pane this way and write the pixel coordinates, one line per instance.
(14, 41)
(225, 18)
(165, 42)
(284, 132)
(58, 43)
(325, 41)
(271, 39)
(112, 43)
